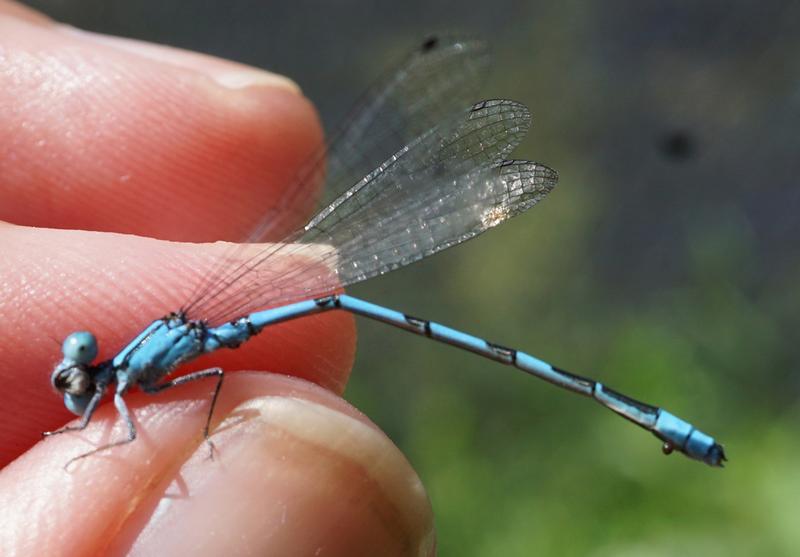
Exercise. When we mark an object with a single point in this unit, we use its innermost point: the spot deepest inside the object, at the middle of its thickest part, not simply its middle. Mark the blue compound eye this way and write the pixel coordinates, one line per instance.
(77, 403)
(80, 347)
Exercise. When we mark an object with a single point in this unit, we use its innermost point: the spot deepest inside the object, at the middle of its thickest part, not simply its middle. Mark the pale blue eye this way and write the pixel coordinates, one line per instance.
(77, 403)
(80, 347)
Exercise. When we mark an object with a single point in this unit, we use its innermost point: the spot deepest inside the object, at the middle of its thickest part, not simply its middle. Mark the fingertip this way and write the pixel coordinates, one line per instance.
(118, 135)
(294, 477)
(227, 73)
(296, 470)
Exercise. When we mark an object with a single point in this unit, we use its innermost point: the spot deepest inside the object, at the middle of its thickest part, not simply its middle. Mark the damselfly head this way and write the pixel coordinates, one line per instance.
(72, 376)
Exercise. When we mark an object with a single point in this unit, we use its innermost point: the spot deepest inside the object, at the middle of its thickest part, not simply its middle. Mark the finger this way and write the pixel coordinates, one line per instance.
(56, 282)
(296, 471)
(111, 134)
(24, 13)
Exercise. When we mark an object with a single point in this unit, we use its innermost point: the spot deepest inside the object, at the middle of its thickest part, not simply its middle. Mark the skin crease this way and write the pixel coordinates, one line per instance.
(107, 136)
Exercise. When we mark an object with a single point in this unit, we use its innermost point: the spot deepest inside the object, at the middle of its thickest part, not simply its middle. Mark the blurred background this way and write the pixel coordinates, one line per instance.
(666, 263)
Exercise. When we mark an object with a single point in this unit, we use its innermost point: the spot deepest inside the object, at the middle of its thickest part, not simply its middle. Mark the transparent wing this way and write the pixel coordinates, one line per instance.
(449, 185)
(436, 80)
(485, 133)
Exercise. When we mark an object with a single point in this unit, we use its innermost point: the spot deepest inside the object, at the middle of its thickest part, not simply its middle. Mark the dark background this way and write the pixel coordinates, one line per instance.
(666, 263)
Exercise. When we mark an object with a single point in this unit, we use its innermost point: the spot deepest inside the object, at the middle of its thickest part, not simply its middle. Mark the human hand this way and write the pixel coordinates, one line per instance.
(110, 135)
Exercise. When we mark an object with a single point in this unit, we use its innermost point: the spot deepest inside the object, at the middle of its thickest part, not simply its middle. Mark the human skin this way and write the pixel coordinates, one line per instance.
(113, 155)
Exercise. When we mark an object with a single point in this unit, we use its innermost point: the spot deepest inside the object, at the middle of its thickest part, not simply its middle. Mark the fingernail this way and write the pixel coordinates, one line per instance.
(226, 73)
(291, 477)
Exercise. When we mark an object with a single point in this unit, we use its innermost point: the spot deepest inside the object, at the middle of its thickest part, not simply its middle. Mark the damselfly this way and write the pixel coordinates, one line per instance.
(414, 171)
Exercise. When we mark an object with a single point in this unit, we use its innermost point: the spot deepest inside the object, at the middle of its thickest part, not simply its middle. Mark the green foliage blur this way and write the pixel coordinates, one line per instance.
(665, 264)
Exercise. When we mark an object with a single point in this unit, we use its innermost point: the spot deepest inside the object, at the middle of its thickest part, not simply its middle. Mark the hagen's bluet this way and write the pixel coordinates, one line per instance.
(415, 170)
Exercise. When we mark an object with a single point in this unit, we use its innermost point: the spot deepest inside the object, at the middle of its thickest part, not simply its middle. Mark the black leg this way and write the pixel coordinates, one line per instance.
(85, 418)
(122, 408)
(214, 371)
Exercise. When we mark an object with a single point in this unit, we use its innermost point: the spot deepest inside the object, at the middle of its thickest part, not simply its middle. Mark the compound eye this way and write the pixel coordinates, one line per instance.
(72, 380)
(80, 347)
(77, 404)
